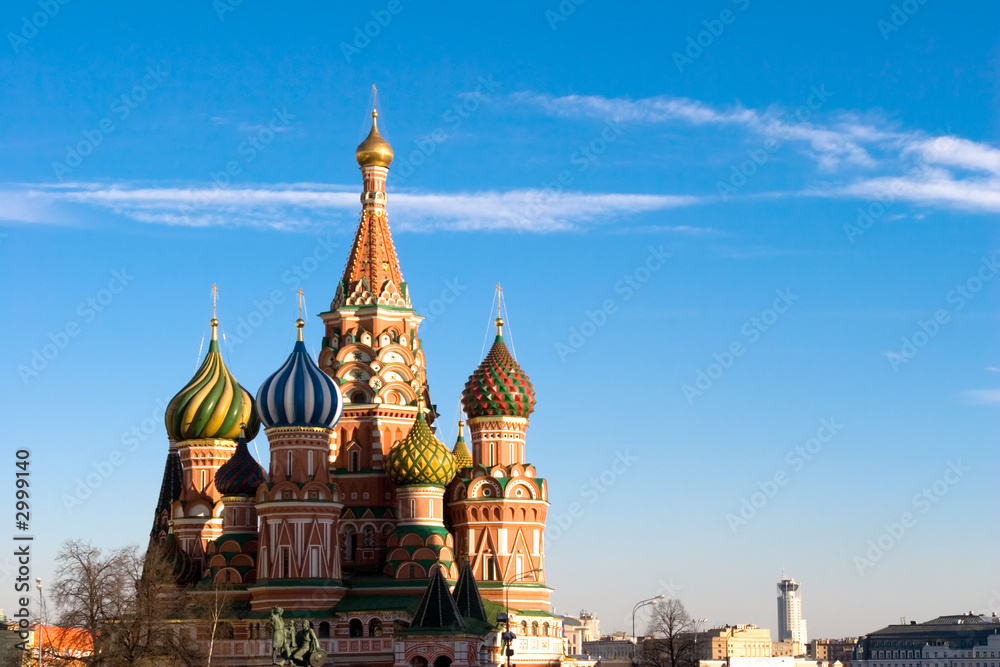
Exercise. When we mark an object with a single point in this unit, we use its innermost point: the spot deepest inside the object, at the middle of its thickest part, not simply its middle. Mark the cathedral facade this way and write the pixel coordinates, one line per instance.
(373, 541)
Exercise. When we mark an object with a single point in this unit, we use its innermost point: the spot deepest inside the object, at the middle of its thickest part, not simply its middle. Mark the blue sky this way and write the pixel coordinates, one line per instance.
(746, 248)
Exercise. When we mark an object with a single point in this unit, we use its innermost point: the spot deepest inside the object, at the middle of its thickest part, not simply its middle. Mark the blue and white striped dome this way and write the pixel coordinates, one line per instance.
(299, 393)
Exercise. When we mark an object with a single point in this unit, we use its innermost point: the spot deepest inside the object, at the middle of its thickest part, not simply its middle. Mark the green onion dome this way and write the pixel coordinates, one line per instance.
(241, 474)
(420, 458)
(499, 387)
(463, 459)
(213, 404)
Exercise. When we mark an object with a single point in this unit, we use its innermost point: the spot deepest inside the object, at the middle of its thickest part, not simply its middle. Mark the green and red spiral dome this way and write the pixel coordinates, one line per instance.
(499, 387)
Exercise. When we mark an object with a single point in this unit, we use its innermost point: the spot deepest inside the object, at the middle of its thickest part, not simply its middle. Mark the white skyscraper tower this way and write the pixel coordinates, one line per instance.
(791, 625)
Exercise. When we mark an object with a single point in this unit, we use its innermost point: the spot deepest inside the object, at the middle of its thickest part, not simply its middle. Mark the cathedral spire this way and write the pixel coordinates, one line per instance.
(373, 255)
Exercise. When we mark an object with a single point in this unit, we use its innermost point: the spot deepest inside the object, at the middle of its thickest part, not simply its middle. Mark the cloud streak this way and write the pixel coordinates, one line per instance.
(854, 156)
(305, 205)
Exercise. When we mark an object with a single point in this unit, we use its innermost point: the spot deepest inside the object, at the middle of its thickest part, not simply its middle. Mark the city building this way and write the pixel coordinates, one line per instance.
(969, 640)
(766, 662)
(579, 629)
(362, 521)
(742, 641)
(616, 646)
(791, 625)
(832, 650)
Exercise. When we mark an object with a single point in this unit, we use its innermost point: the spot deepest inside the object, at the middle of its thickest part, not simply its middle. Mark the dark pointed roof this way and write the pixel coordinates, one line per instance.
(241, 474)
(466, 594)
(170, 490)
(437, 608)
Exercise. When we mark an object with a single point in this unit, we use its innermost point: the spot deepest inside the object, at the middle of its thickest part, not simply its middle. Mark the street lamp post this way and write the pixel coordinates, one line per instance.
(38, 627)
(639, 605)
(509, 636)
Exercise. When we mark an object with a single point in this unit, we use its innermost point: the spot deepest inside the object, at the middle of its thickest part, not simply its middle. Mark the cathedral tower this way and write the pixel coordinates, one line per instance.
(498, 503)
(422, 467)
(232, 558)
(371, 348)
(204, 420)
(298, 561)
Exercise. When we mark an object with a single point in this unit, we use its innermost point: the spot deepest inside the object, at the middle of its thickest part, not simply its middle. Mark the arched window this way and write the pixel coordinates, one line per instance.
(368, 537)
(534, 629)
(354, 464)
(374, 628)
(359, 397)
(356, 628)
(442, 661)
(545, 629)
(418, 661)
(524, 628)
(324, 630)
(493, 454)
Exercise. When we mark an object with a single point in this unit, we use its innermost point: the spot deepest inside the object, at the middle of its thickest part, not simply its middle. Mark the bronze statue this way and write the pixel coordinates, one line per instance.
(278, 643)
(301, 649)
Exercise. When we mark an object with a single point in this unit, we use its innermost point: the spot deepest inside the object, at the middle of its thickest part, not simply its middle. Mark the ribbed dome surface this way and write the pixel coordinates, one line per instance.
(499, 386)
(212, 404)
(241, 474)
(420, 458)
(463, 459)
(299, 394)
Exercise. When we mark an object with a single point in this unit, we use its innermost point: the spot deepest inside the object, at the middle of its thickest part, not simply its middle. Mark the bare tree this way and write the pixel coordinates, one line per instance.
(672, 630)
(126, 601)
(215, 608)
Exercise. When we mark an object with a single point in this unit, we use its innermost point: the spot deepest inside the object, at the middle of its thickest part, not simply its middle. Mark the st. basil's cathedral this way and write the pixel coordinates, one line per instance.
(374, 542)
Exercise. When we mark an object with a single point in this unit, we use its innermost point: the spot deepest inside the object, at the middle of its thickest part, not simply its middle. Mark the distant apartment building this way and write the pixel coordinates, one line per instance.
(731, 641)
(579, 629)
(832, 650)
(611, 647)
(786, 649)
(791, 625)
(969, 640)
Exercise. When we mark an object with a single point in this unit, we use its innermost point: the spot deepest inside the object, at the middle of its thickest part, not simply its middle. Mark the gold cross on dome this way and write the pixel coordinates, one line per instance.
(215, 298)
(302, 297)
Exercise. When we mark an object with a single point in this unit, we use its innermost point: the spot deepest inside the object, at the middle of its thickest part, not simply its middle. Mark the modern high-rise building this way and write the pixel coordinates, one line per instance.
(791, 625)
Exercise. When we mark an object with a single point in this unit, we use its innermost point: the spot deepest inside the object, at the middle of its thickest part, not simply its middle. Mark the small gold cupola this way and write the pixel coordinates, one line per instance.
(374, 151)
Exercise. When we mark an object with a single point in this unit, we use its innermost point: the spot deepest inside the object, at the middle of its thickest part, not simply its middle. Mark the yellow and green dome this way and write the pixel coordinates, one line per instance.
(420, 458)
(213, 404)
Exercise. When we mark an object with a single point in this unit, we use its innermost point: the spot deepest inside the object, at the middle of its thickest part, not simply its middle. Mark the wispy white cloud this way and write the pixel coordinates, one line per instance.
(304, 205)
(859, 157)
(984, 396)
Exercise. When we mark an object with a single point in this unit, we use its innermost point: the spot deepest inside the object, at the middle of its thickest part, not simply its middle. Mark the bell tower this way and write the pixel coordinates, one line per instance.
(372, 349)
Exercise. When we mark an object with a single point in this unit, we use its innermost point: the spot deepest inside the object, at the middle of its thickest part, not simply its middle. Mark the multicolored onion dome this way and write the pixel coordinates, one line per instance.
(299, 393)
(499, 386)
(463, 459)
(374, 151)
(241, 474)
(213, 404)
(420, 458)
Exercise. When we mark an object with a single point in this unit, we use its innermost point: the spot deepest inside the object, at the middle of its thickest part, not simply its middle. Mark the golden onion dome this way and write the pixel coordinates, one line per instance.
(374, 151)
